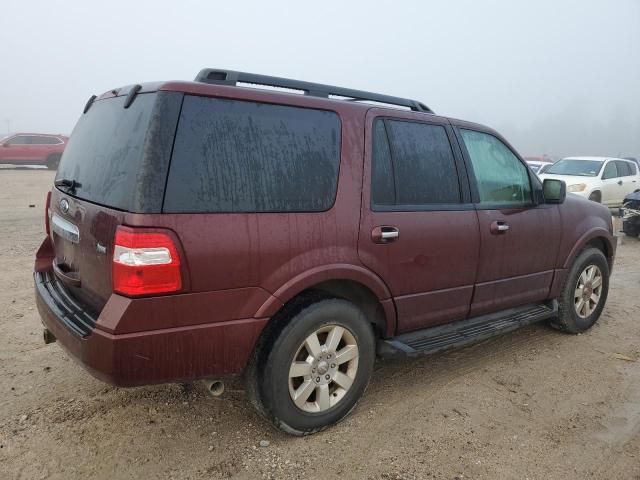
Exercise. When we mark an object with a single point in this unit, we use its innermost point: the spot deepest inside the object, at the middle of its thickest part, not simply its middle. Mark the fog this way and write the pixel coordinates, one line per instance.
(555, 77)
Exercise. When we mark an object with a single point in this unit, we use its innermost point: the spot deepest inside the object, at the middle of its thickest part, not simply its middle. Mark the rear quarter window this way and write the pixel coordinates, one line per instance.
(239, 156)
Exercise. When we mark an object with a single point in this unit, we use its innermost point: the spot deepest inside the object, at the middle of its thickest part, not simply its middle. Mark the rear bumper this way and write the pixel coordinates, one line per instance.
(182, 353)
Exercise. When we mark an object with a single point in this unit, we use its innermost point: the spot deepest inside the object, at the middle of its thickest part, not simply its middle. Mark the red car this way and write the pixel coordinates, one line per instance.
(33, 149)
(203, 229)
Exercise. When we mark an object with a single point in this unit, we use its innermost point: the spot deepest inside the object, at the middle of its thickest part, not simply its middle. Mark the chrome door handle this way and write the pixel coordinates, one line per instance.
(384, 234)
(497, 227)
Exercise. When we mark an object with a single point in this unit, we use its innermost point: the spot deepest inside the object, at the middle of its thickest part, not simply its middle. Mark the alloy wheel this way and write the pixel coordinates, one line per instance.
(323, 369)
(588, 291)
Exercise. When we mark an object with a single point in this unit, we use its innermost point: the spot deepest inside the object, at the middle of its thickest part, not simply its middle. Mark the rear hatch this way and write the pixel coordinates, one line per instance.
(103, 175)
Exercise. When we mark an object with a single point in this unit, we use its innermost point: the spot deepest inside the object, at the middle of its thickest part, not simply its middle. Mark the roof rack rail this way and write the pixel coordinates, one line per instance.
(231, 77)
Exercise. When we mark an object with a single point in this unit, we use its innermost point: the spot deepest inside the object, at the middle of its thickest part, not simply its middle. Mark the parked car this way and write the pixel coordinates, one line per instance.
(538, 166)
(32, 149)
(601, 179)
(202, 229)
(544, 167)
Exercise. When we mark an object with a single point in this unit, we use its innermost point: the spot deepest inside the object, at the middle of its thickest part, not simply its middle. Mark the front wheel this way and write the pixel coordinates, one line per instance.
(584, 293)
(317, 368)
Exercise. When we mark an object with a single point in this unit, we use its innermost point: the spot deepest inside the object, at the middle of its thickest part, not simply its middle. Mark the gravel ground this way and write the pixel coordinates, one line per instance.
(534, 404)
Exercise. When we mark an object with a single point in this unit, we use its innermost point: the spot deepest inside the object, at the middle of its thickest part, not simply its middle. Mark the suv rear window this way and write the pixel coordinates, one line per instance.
(104, 152)
(240, 156)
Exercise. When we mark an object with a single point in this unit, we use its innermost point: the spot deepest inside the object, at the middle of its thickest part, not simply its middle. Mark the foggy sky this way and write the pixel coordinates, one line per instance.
(559, 77)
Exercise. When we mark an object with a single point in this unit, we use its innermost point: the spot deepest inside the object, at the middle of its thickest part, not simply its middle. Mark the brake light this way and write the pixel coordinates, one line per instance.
(47, 213)
(145, 263)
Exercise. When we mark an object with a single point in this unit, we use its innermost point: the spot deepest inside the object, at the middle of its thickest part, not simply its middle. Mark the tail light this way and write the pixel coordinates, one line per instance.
(145, 263)
(47, 213)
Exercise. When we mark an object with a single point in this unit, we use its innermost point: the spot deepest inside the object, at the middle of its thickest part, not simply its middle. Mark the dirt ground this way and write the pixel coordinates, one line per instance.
(534, 404)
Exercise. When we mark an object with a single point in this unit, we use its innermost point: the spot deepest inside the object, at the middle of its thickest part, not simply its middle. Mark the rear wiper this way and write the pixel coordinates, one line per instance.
(66, 183)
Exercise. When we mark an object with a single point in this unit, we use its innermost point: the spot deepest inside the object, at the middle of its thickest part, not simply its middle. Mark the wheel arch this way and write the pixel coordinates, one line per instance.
(350, 282)
(597, 238)
(597, 192)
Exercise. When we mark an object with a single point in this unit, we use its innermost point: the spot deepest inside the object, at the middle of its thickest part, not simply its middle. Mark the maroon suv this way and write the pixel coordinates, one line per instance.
(32, 149)
(204, 229)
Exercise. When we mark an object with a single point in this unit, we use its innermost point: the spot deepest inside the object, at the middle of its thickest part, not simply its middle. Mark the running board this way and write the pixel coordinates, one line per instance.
(464, 332)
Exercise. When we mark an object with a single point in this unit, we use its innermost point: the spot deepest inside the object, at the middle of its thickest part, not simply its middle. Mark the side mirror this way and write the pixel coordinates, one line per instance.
(554, 191)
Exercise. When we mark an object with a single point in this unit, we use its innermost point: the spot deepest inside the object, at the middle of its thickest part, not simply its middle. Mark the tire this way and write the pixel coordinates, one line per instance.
(326, 389)
(595, 197)
(576, 317)
(53, 161)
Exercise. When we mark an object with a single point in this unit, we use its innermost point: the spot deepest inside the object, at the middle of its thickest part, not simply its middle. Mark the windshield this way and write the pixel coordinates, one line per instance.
(105, 151)
(581, 168)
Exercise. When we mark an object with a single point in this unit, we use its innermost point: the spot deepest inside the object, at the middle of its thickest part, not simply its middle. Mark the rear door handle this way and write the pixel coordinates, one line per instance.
(498, 227)
(619, 182)
(384, 234)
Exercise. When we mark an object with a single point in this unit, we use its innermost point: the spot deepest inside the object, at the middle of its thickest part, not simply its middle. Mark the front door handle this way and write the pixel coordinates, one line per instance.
(498, 227)
(384, 234)
(619, 182)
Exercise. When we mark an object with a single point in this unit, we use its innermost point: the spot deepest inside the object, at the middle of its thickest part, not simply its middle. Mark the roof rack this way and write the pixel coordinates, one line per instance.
(230, 77)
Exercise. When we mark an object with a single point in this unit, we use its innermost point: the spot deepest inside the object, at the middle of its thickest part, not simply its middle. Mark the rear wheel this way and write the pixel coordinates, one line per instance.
(53, 161)
(584, 293)
(317, 368)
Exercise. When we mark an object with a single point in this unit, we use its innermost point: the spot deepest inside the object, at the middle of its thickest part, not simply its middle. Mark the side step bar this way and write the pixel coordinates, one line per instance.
(464, 332)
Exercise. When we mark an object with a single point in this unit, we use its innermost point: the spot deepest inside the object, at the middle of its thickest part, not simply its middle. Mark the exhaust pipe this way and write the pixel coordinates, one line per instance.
(48, 336)
(214, 387)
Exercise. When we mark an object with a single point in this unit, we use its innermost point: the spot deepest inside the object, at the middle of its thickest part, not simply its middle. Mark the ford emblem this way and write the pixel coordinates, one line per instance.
(64, 205)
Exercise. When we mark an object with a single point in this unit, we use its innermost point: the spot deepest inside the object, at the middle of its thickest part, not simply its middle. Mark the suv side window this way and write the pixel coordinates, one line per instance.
(242, 156)
(415, 167)
(501, 177)
(19, 140)
(624, 168)
(610, 171)
(44, 140)
(632, 168)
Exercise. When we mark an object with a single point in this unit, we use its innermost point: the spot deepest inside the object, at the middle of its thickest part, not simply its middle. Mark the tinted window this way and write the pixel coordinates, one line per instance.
(423, 166)
(105, 150)
(20, 140)
(624, 169)
(501, 177)
(235, 156)
(610, 171)
(383, 191)
(632, 168)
